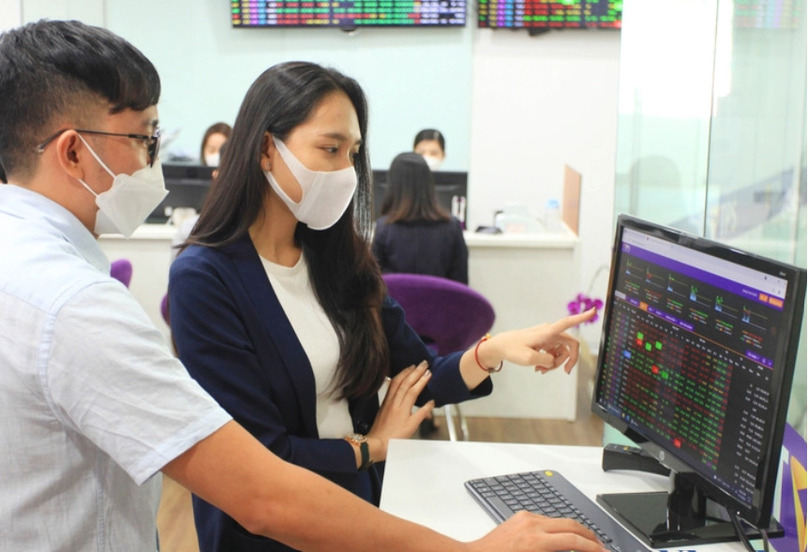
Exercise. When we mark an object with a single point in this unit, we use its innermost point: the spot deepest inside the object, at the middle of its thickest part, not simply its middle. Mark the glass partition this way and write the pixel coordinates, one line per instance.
(712, 127)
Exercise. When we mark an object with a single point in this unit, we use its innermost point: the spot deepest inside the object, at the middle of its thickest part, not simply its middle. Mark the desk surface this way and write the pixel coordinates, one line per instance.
(423, 480)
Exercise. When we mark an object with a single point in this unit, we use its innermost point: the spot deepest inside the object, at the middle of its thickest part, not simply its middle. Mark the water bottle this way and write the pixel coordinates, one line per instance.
(552, 216)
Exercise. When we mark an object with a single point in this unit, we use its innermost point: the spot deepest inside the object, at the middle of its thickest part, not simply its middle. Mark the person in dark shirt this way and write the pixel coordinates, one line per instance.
(414, 234)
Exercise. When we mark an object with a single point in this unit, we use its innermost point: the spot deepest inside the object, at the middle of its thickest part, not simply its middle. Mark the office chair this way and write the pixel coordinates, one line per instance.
(164, 308)
(121, 270)
(449, 316)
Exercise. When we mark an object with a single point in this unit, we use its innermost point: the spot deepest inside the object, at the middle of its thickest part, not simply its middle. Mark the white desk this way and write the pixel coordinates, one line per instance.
(423, 480)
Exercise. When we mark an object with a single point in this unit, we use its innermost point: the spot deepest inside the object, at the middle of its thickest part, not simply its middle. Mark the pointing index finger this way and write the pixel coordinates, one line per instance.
(564, 324)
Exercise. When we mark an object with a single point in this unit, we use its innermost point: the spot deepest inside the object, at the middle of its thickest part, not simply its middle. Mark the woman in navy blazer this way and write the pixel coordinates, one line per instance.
(278, 308)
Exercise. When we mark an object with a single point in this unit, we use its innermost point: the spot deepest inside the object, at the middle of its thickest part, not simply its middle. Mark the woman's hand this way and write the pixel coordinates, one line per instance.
(524, 531)
(545, 347)
(396, 419)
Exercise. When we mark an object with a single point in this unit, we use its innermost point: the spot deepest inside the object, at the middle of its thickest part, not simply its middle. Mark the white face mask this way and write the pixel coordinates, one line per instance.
(433, 162)
(129, 200)
(212, 159)
(326, 195)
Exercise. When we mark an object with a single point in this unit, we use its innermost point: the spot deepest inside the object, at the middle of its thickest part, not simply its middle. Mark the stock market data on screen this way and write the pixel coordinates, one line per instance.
(685, 338)
(348, 13)
(696, 361)
(549, 14)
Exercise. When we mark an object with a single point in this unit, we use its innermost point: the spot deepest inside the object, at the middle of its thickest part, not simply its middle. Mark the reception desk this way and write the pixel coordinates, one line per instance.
(529, 279)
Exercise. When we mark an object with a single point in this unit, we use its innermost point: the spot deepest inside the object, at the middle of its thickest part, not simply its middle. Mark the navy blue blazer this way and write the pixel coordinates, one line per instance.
(233, 336)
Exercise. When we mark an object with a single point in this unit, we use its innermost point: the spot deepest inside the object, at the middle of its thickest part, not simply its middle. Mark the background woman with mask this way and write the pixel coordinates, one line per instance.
(431, 144)
(278, 308)
(414, 233)
(215, 136)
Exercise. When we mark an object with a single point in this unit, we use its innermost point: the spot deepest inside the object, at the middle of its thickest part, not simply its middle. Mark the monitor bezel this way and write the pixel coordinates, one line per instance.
(759, 512)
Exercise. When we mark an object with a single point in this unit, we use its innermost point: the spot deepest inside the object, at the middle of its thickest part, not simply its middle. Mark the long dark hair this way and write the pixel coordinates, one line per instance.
(344, 274)
(410, 195)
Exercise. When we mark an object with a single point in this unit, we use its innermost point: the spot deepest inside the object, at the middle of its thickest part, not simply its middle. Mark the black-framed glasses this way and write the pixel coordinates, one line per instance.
(152, 142)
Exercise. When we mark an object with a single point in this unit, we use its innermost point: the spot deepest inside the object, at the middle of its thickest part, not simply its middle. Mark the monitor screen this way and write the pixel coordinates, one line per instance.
(187, 186)
(549, 14)
(695, 365)
(348, 14)
(450, 186)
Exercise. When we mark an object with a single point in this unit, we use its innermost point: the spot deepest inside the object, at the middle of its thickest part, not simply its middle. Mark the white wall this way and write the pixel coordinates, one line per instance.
(9, 14)
(539, 103)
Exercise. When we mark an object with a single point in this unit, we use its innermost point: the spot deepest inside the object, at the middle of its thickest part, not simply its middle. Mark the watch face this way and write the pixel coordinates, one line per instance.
(357, 437)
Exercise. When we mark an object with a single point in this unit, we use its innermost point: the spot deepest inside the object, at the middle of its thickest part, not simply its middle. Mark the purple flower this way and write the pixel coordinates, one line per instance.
(582, 303)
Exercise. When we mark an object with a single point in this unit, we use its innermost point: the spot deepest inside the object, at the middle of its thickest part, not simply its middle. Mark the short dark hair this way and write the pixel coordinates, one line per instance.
(215, 128)
(430, 134)
(411, 195)
(55, 69)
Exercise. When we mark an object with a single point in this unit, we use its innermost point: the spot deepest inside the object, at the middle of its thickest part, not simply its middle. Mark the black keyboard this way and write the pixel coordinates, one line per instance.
(548, 493)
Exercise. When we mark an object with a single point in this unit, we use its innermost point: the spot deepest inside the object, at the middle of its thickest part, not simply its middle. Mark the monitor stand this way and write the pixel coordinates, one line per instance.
(684, 516)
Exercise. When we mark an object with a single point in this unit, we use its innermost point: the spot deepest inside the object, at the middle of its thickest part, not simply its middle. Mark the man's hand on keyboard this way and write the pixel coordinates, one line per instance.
(525, 531)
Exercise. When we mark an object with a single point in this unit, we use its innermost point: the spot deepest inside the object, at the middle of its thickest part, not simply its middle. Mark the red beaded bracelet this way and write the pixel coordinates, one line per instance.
(486, 337)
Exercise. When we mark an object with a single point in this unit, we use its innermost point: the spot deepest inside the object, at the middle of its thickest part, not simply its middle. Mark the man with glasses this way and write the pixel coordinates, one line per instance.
(151, 142)
(92, 403)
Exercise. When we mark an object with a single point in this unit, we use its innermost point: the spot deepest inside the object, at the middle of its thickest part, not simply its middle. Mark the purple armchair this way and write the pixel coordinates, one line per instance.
(121, 270)
(164, 308)
(449, 316)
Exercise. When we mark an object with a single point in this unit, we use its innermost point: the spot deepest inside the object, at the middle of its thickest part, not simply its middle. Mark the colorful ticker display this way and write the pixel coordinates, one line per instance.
(767, 14)
(348, 13)
(550, 14)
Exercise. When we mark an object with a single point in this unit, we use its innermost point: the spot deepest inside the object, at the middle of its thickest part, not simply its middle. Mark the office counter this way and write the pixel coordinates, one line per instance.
(529, 279)
(423, 480)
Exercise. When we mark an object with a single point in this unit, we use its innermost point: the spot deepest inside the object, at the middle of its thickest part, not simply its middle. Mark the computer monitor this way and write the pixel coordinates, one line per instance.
(451, 187)
(696, 361)
(187, 186)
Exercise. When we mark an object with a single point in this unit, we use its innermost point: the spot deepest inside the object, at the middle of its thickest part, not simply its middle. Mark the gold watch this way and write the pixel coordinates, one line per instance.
(361, 441)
